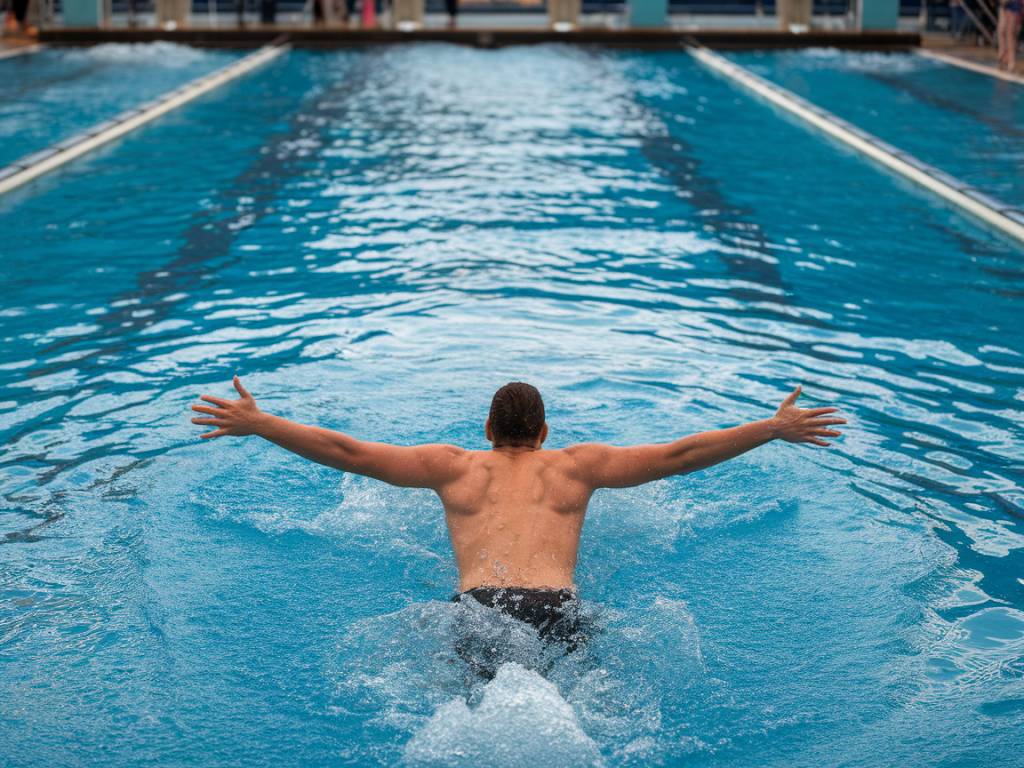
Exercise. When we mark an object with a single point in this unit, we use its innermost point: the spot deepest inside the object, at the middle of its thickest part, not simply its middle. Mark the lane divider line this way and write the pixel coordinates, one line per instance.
(974, 66)
(19, 50)
(997, 214)
(31, 167)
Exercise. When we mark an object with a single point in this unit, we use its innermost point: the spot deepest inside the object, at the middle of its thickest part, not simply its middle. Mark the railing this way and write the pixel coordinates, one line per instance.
(980, 18)
(984, 14)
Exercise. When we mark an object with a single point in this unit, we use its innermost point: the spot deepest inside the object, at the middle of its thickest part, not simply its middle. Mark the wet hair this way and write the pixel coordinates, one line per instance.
(517, 414)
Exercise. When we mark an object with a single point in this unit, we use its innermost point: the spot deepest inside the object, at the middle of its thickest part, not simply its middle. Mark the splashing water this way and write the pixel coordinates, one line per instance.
(376, 240)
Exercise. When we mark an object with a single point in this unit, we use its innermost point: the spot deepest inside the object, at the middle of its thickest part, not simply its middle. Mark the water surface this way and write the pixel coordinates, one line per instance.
(962, 122)
(384, 239)
(54, 94)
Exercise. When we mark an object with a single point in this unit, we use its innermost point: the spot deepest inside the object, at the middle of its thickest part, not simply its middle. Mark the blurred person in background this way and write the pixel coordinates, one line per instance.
(957, 19)
(14, 21)
(1008, 31)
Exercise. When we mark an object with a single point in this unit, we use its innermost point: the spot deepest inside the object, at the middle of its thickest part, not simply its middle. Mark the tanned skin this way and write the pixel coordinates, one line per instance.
(515, 512)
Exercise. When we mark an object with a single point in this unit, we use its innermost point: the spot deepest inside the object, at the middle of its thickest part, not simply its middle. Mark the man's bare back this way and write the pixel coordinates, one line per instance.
(515, 512)
(515, 516)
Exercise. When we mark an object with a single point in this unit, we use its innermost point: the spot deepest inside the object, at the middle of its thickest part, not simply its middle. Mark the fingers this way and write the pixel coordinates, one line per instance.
(238, 386)
(215, 422)
(218, 401)
(827, 433)
(792, 396)
(814, 440)
(208, 409)
(215, 433)
(819, 411)
(826, 422)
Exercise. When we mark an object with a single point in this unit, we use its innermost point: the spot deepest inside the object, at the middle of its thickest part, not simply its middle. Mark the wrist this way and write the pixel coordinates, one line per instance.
(259, 423)
(774, 427)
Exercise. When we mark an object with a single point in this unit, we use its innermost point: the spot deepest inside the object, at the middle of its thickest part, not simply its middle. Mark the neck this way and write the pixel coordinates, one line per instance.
(514, 448)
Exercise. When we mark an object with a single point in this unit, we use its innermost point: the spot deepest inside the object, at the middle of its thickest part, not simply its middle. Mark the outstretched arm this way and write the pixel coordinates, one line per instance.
(605, 466)
(419, 466)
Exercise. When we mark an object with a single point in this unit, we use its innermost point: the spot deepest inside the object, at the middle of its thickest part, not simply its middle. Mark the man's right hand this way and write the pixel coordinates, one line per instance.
(231, 417)
(804, 425)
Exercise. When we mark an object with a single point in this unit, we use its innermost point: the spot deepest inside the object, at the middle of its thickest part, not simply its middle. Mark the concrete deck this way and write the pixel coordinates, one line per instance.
(13, 46)
(944, 43)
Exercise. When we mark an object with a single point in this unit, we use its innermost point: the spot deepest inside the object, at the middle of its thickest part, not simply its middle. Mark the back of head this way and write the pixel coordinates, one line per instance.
(517, 414)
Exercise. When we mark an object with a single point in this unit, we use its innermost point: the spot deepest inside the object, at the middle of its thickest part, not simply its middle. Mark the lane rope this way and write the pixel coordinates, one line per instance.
(38, 163)
(997, 214)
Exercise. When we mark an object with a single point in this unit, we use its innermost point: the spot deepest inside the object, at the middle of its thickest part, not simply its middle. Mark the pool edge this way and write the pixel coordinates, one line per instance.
(247, 37)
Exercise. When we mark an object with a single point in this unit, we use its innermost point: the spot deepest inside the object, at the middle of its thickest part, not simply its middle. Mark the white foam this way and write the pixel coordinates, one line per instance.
(859, 61)
(160, 53)
(521, 719)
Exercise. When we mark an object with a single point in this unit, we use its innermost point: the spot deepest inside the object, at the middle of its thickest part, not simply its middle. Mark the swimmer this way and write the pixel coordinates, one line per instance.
(515, 512)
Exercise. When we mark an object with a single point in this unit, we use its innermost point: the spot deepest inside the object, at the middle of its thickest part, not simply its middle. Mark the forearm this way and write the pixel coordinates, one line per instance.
(324, 446)
(419, 466)
(709, 448)
(604, 466)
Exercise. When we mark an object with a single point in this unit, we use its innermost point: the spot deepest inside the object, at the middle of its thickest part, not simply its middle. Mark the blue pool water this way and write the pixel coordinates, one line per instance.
(51, 95)
(387, 237)
(968, 124)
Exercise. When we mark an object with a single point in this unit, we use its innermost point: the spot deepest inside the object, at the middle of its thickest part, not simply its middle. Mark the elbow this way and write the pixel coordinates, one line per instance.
(684, 461)
(345, 456)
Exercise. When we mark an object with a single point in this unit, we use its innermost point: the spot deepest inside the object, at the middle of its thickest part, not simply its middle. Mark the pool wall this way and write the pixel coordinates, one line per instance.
(494, 38)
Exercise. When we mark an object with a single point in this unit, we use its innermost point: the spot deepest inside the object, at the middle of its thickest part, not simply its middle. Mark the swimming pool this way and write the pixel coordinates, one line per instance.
(963, 122)
(51, 95)
(385, 238)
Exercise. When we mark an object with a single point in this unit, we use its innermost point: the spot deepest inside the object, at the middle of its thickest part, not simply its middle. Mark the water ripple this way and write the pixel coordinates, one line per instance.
(376, 240)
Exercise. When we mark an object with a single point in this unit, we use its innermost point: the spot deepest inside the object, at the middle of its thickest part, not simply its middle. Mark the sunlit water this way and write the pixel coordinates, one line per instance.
(376, 241)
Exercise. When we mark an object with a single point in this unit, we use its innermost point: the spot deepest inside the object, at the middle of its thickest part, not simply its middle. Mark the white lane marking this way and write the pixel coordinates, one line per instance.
(28, 168)
(956, 61)
(997, 214)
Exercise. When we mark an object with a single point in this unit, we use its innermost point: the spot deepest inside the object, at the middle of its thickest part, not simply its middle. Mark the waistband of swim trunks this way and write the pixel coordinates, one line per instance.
(562, 594)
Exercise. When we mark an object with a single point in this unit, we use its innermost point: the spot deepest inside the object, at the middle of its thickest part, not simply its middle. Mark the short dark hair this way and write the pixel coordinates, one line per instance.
(517, 414)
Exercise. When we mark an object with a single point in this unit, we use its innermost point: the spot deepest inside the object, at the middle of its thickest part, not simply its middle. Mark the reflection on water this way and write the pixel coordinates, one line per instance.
(379, 239)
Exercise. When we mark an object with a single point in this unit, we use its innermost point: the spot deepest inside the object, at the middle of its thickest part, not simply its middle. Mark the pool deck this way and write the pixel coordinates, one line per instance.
(972, 54)
(15, 46)
(306, 37)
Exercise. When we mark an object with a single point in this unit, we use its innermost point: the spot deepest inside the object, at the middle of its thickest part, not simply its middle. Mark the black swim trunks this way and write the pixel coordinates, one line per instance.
(484, 645)
(554, 613)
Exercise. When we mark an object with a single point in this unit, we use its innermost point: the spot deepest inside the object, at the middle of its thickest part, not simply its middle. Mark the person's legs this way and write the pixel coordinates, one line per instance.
(1001, 36)
(1011, 43)
(20, 8)
(956, 21)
